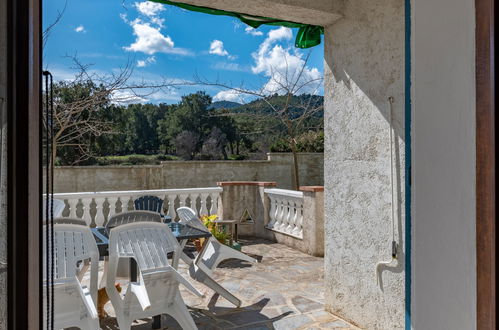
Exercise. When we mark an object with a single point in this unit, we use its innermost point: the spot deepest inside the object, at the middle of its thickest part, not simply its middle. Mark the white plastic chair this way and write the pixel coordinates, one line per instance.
(58, 207)
(132, 216)
(74, 304)
(213, 252)
(157, 288)
(122, 219)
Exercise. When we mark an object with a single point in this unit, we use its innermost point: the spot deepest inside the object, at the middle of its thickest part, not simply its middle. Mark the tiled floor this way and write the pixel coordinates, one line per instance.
(283, 291)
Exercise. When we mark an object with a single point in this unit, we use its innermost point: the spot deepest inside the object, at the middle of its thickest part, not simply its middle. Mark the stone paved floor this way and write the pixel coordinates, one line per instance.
(283, 291)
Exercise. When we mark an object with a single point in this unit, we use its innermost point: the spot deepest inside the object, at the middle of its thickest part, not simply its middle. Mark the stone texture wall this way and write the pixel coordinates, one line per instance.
(364, 65)
(192, 174)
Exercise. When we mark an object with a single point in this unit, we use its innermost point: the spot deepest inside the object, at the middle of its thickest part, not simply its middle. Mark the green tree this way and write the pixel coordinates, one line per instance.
(190, 115)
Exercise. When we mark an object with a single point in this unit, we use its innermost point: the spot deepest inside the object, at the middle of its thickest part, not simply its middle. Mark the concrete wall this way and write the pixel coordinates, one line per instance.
(237, 197)
(3, 164)
(364, 65)
(193, 174)
(444, 263)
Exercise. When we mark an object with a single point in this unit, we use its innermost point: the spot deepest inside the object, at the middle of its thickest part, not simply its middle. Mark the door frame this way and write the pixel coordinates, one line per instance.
(24, 181)
(486, 165)
(23, 165)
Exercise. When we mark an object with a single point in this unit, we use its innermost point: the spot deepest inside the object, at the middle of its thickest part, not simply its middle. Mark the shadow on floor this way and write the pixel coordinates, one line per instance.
(214, 317)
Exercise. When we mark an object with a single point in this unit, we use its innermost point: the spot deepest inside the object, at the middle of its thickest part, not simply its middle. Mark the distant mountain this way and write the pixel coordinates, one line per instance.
(224, 105)
(260, 106)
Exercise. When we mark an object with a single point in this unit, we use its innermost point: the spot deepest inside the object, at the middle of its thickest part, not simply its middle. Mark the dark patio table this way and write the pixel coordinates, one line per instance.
(180, 231)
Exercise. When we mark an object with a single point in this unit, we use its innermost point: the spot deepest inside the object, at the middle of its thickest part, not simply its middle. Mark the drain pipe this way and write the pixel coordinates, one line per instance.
(394, 246)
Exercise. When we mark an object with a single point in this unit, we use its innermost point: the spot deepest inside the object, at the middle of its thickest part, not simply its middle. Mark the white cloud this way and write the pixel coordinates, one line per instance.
(147, 31)
(217, 48)
(126, 97)
(150, 40)
(149, 8)
(282, 67)
(146, 62)
(80, 29)
(253, 31)
(228, 95)
(229, 67)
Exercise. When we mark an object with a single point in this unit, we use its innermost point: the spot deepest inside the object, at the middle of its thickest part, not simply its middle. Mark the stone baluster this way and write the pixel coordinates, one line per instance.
(291, 216)
(99, 210)
(182, 198)
(170, 199)
(295, 228)
(280, 217)
(112, 201)
(87, 217)
(272, 212)
(193, 199)
(203, 201)
(214, 203)
(73, 204)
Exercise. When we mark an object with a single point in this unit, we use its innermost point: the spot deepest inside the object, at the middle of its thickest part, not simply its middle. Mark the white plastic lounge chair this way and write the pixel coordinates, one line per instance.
(157, 288)
(122, 219)
(74, 304)
(213, 252)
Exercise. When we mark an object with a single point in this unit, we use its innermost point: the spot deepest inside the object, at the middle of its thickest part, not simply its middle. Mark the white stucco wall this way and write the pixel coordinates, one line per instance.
(444, 263)
(364, 65)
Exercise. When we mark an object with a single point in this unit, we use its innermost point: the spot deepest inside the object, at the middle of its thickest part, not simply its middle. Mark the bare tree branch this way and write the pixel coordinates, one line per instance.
(289, 83)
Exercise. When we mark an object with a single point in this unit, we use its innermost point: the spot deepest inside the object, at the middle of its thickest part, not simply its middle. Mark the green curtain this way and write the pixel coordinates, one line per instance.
(308, 35)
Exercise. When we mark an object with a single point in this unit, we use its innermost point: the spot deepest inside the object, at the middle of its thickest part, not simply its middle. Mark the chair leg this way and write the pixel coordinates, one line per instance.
(91, 324)
(180, 313)
(212, 284)
(123, 322)
(103, 279)
(226, 252)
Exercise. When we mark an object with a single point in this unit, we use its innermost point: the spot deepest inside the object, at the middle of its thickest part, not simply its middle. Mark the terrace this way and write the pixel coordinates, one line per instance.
(280, 228)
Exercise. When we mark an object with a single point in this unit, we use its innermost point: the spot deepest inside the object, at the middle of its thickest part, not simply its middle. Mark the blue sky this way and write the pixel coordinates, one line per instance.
(167, 43)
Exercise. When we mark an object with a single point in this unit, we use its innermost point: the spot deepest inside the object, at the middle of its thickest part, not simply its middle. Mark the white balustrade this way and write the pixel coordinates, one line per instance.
(286, 211)
(97, 207)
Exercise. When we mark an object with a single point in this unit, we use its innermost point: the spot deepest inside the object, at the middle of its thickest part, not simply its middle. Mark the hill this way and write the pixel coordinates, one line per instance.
(224, 105)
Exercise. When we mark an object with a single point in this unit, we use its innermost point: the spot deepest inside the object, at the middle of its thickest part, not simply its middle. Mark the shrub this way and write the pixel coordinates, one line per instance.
(238, 157)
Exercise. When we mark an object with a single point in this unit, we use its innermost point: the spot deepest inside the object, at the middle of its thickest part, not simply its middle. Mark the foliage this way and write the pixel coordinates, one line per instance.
(133, 159)
(221, 235)
(311, 141)
(148, 133)
(186, 144)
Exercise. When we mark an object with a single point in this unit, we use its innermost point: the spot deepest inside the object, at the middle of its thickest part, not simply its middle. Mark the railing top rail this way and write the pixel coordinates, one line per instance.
(139, 192)
(284, 192)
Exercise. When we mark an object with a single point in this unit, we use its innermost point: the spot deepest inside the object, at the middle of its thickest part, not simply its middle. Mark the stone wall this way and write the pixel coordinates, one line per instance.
(191, 174)
(364, 66)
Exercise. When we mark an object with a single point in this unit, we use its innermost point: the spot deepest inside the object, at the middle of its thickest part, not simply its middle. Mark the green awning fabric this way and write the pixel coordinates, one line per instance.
(308, 35)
